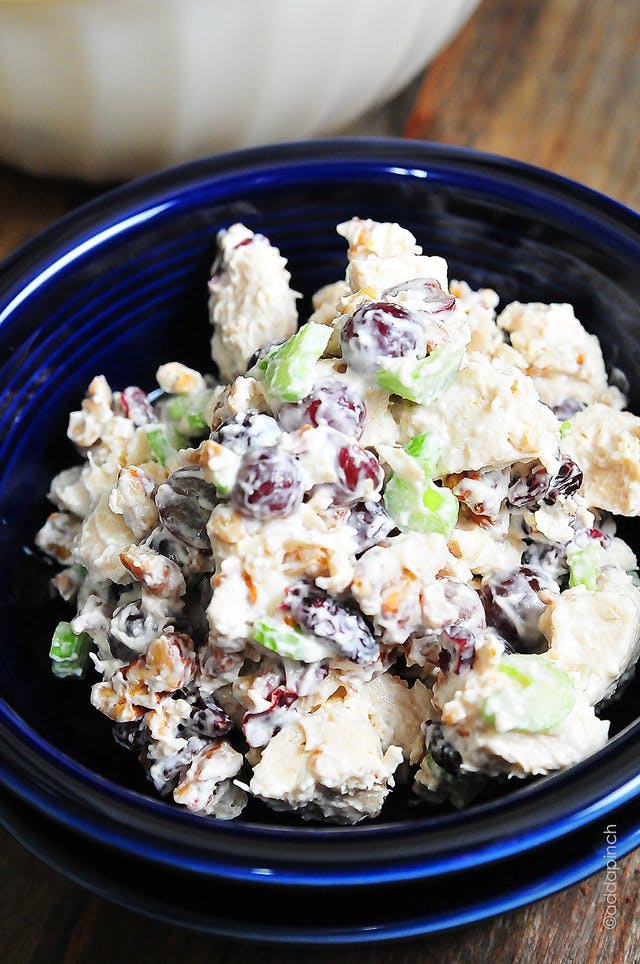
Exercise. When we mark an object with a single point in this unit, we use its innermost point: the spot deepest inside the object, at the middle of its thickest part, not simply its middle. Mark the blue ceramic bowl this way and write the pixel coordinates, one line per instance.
(119, 286)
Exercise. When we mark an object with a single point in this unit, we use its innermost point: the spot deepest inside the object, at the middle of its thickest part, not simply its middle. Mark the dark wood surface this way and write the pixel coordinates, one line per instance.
(555, 83)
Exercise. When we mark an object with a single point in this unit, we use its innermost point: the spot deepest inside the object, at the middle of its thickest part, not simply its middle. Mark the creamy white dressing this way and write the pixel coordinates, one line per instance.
(188, 600)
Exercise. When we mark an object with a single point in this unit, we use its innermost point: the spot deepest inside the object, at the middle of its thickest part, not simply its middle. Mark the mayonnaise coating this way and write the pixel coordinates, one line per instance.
(380, 551)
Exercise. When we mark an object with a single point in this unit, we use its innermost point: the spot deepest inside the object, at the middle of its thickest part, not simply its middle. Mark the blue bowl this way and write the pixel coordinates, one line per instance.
(118, 287)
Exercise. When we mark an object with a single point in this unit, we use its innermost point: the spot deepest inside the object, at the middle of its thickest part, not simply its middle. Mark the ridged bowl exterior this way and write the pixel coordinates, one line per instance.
(108, 89)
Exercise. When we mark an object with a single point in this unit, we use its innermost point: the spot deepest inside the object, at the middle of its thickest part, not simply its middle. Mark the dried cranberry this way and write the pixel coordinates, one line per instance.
(371, 524)
(603, 538)
(247, 430)
(567, 408)
(268, 484)
(458, 648)
(136, 406)
(452, 647)
(357, 468)
(332, 402)
(442, 752)
(549, 557)
(344, 628)
(165, 772)
(132, 736)
(514, 601)
(185, 502)
(528, 491)
(208, 721)
(567, 480)
(458, 639)
(436, 298)
(381, 330)
(258, 728)
(132, 630)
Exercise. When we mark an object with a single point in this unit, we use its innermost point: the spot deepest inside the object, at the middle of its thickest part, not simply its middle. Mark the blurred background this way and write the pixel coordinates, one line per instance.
(93, 92)
(110, 89)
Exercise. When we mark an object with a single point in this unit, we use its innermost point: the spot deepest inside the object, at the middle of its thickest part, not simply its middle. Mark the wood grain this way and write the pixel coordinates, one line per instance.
(551, 82)
(555, 83)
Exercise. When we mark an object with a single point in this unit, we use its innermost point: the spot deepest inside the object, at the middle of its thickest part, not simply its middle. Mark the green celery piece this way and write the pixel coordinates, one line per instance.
(189, 410)
(178, 406)
(69, 651)
(164, 440)
(422, 380)
(425, 449)
(196, 421)
(584, 565)
(421, 507)
(288, 642)
(288, 370)
(536, 696)
(564, 427)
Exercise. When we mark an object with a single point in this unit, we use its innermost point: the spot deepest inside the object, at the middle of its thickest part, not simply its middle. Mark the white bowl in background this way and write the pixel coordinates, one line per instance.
(110, 89)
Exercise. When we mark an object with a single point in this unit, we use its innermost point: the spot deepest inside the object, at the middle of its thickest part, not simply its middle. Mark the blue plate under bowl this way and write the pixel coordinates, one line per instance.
(120, 286)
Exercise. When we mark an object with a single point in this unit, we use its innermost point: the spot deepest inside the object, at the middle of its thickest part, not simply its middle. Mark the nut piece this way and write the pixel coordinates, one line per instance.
(159, 575)
(85, 426)
(207, 785)
(118, 706)
(176, 378)
(132, 498)
(57, 535)
(168, 664)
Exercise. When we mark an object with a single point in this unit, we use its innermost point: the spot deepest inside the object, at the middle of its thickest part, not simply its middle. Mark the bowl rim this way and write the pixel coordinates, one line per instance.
(573, 864)
(61, 783)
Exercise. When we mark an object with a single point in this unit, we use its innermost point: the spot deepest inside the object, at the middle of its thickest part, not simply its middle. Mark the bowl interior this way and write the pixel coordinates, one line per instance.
(122, 287)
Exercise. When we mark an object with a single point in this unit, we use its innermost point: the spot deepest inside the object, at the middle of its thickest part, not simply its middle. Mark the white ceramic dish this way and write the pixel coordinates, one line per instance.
(107, 89)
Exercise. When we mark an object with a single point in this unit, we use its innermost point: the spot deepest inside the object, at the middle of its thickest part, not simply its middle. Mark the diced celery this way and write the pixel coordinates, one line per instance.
(288, 370)
(536, 695)
(69, 651)
(163, 441)
(421, 507)
(584, 565)
(189, 411)
(289, 642)
(422, 380)
(564, 427)
(197, 421)
(425, 449)
(178, 406)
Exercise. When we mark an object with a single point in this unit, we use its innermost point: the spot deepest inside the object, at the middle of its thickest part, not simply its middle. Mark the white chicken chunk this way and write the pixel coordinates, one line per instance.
(337, 762)
(563, 359)
(606, 446)
(486, 747)
(251, 304)
(490, 416)
(391, 584)
(383, 254)
(595, 634)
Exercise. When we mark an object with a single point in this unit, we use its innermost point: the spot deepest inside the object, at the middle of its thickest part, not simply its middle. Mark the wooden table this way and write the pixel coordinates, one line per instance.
(553, 82)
